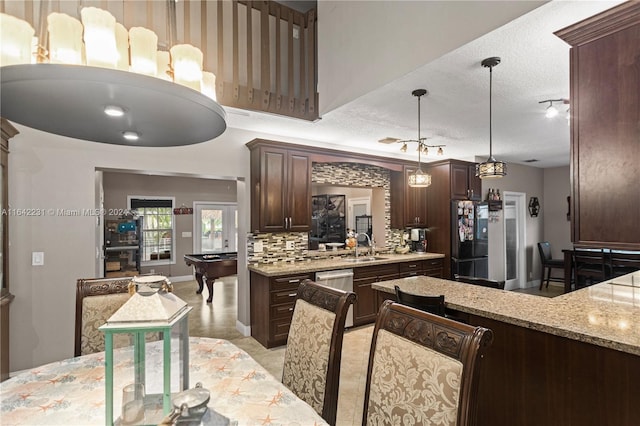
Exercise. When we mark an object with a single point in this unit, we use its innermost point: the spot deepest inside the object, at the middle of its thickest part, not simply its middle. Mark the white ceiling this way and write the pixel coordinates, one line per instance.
(535, 67)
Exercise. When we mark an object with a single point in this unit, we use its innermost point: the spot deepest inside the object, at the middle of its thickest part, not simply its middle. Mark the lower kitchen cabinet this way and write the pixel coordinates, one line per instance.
(366, 307)
(431, 268)
(271, 304)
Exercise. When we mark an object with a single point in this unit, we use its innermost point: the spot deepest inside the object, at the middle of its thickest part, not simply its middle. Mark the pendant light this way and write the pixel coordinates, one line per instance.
(491, 168)
(419, 179)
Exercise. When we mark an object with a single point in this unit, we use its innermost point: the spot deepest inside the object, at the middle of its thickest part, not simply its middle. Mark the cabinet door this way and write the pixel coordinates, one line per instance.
(415, 202)
(273, 184)
(459, 181)
(475, 184)
(365, 309)
(299, 193)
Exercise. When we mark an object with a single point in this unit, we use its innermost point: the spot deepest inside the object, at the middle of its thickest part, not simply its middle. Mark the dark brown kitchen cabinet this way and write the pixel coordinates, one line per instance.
(8, 131)
(280, 189)
(271, 306)
(465, 185)
(408, 205)
(365, 308)
(605, 141)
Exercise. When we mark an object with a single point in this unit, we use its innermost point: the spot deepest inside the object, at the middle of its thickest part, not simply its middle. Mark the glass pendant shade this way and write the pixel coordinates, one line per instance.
(209, 84)
(164, 69)
(491, 168)
(419, 179)
(15, 40)
(186, 61)
(65, 39)
(122, 45)
(143, 44)
(99, 37)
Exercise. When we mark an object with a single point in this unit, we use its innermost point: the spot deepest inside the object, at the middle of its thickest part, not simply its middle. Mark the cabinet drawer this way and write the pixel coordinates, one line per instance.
(414, 266)
(282, 311)
(433, 263)
(283, 296)
(375, 271)
(288, 282)
(280, 330)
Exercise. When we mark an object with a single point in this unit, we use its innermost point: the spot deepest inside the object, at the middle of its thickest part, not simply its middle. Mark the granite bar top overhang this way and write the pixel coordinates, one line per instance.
(331, 263)
(605, 314)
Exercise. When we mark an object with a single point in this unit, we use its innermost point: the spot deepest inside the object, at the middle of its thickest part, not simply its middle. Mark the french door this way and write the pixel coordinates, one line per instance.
(215, 227)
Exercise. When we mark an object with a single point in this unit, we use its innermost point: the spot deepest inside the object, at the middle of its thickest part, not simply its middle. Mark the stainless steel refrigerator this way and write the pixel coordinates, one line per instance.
(469, 238)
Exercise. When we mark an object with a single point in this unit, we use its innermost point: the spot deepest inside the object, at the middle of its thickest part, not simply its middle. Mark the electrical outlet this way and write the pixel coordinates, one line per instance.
(291, 245)
(37, 258)
(258, 247)
(152, 271)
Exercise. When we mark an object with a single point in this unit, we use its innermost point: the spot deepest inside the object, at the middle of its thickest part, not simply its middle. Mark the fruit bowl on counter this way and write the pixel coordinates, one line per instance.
(402, 249)
(334, 246)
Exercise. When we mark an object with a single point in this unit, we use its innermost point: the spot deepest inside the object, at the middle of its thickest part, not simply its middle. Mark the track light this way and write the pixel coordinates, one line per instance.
(552, 111)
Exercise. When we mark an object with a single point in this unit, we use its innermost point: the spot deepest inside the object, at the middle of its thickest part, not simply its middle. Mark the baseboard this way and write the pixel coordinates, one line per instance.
(245, 330)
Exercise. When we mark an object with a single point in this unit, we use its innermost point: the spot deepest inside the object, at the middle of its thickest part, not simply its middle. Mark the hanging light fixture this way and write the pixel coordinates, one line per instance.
(491, 168)
(64, 76)
(419, 179)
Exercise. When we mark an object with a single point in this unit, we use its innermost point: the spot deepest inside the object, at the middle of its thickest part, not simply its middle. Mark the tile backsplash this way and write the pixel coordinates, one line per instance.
(274, 245)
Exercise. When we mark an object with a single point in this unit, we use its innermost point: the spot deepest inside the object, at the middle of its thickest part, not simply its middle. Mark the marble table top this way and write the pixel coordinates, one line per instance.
(605, 314)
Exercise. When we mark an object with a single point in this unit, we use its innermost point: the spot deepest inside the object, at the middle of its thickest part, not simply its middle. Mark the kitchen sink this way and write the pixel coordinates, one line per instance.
(364, 259)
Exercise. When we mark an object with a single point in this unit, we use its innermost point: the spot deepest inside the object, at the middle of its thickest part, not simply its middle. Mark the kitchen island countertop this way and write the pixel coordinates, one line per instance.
(605, 314)
(335, 262)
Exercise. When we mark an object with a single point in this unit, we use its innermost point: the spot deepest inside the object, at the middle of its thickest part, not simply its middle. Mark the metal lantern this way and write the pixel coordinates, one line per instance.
(150, 313)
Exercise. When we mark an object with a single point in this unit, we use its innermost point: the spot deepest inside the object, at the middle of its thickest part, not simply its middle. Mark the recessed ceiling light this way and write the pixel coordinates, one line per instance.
(131, 136)
(114, 111)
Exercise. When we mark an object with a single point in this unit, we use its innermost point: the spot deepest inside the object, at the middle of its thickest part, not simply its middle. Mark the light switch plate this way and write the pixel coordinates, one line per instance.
(291, 245)
(258, 247)
(186, 234)
(37, 258)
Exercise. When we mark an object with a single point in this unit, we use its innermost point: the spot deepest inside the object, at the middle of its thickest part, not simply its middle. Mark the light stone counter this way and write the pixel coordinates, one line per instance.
(336, 262)
(605, 314)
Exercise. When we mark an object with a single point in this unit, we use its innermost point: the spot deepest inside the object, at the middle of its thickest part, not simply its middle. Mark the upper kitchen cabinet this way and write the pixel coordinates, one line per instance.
(280, 188)
(605, 132)
(408, 205)
(465, 185)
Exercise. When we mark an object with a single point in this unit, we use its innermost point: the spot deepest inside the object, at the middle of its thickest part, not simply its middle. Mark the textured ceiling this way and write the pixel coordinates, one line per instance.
(535, 67)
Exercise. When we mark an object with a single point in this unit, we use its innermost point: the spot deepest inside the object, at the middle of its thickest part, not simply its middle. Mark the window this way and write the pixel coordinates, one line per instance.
(157, 228)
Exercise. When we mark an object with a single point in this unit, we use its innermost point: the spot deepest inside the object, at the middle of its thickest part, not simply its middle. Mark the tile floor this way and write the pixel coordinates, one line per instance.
(219, 320)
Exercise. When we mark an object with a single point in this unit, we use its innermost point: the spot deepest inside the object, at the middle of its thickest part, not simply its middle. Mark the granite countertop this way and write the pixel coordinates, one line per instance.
(335, 262)
(605, 314)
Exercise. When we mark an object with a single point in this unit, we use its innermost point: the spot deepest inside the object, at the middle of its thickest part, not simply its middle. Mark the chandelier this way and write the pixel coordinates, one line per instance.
(91, 78)
(491, 168)
(419, 179)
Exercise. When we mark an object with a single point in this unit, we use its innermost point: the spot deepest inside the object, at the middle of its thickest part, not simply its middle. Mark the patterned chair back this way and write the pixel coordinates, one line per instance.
(314, 346)
(96, 300)
(423, 369)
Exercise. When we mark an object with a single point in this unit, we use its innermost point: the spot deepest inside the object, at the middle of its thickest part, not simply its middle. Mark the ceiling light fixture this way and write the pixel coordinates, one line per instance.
(131, 136)
(114, 111)
(74, 66)
(491, 168)
(551, 110)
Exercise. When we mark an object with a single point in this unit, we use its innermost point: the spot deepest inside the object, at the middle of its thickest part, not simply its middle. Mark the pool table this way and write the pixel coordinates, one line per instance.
(211, 266)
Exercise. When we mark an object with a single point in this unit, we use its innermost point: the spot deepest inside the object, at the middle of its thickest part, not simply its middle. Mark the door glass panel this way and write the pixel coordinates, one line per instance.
(511, 239)
(216, 228)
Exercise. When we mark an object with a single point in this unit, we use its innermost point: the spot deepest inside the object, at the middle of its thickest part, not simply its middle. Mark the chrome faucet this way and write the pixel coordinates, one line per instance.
(368, 239)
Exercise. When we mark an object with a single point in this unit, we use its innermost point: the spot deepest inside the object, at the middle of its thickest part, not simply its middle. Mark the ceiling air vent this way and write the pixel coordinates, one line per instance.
(533, 160)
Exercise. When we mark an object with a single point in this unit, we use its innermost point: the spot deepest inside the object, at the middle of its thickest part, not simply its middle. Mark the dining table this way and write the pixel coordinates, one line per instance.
(72, 391)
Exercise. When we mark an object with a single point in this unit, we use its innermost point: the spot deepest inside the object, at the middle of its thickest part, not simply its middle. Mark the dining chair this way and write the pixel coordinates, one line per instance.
(548, 263)
(314, 346)
(622, 262)
(96, 300)
(423, 368)
(433, 304)
(590, 266)
(484, 282)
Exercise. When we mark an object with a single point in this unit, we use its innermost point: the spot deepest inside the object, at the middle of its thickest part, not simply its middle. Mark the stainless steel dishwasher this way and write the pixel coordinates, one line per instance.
(341, 279)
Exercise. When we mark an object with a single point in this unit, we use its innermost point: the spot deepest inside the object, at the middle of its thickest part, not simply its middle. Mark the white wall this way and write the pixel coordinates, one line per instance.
(554, 208)
(52, 172)
(400, 36)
